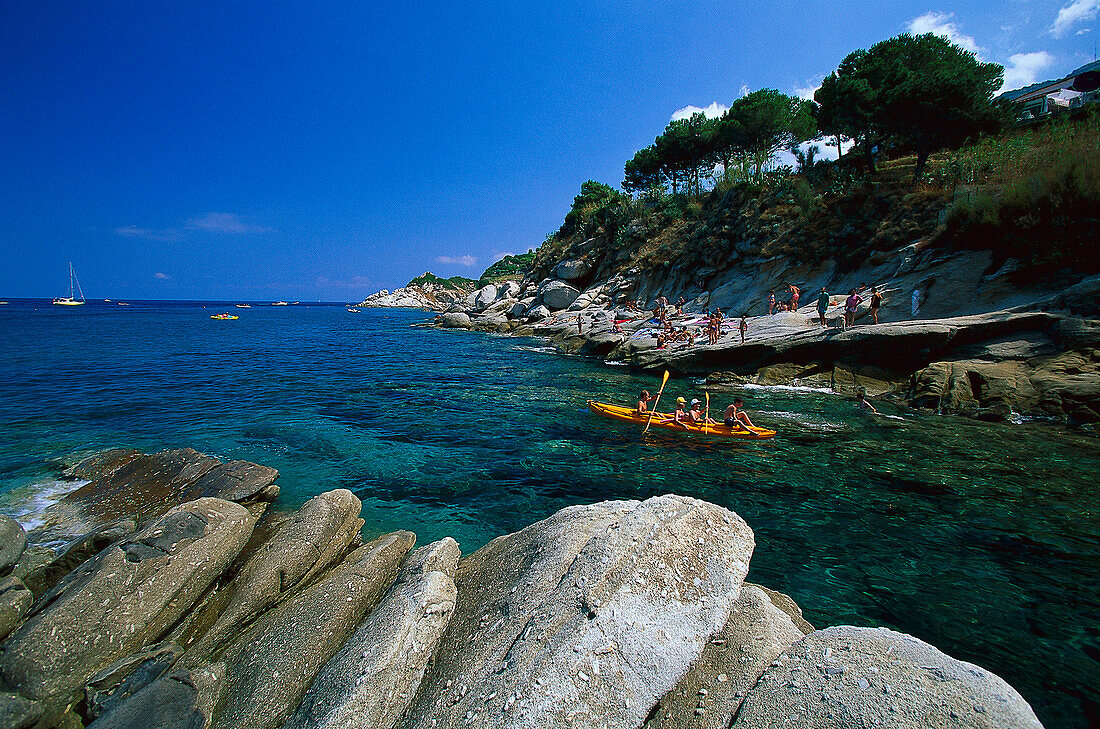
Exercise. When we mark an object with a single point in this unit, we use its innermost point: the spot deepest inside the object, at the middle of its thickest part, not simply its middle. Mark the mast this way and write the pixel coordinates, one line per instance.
(72, 278)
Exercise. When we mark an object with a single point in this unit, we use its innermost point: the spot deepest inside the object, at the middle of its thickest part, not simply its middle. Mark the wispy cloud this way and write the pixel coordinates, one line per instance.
(1024, 68)
(713, 111)
(228, 223)
(215, 223)
(457, 260)
(1076, 12)
(161, 276)
(810, 86)
(744, 91)
(501, 256)
(942, 24)
(133, 231)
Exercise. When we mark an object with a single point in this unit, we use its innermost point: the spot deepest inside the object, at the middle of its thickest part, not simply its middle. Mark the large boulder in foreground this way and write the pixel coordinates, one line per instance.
(123, 599)
(585, 619)
(370, 682)
(13, 540)
(270, 666)
(845, 677)
(319, 532)
(710, 693)
(455, 320)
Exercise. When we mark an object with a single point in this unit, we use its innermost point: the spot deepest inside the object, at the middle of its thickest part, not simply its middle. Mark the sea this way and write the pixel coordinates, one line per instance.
(982, 539)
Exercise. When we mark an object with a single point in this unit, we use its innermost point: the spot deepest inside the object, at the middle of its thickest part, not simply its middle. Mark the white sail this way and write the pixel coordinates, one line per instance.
(73, 282)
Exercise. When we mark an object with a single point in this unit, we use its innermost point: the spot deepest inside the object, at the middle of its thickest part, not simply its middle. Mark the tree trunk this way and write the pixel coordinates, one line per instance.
(839, 151)
(922, 159)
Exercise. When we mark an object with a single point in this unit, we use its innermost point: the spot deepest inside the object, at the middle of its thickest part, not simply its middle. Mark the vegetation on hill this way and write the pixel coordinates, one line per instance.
(457, 283)
(934, 161)
(509, 268)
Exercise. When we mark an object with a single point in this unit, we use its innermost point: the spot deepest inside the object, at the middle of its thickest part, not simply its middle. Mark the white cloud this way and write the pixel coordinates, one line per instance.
(457, 260)
(744, 90)
(229, 223)
(1077, 11)
(941, 24)
(161, 276)
(1083, 31)
(132, 231)
(1024, 68)
(713, 111)
(807, 92)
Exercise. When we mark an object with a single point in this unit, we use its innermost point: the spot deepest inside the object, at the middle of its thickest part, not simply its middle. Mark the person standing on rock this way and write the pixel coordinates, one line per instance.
(795, 293)
(822, 306)
(743, 326)
(850, 307)
(876, 302)
(580, 324)
(915, 304)
(771, 303)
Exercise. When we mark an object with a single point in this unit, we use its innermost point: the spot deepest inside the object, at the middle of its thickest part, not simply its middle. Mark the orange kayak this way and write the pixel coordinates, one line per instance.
(716, 430)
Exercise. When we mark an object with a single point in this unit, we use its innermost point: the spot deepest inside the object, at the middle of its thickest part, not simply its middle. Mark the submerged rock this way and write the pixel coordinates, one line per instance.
(123, 599)
(270, 666)
(370, 682)
(585, 619)
(845, 677)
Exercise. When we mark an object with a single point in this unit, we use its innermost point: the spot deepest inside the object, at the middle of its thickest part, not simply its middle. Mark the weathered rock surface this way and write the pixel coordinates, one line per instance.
(123, 599)
(101, 464)
(558, 294)
(370, 682)
(569, 270)
(43, 577)
(127, 676)
(585, 619)
(539, 312)
(845, 677)
(15, 601)
(711, 692)
(483, 297)
(235, 481)
(18, 712)
(182, 699)
(270, 666)
(13, 540)
(427, 295)
(320, 531)
(455, 320)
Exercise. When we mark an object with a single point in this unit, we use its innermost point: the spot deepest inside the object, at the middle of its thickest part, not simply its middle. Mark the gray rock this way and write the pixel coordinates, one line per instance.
(455, 320)
(539, 312)
(234, 481)
(711, 692)
(15, 601)
(127, 676)
(123, 599)
(845, 677)
(517, 309)
(585, 619)
(270, 666)
(509, 290)
(371, 681)
(13, 540)
(484, 296)
(101, 464)
(318, 533)
(42, 578)
(18, 712)
(558, 294)
(180, 700)
(569, 270)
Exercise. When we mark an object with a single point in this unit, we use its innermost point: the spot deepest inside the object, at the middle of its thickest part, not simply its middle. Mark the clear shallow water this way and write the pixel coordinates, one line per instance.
(982, 539)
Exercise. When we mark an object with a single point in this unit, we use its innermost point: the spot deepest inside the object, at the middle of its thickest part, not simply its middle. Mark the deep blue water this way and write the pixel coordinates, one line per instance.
(982, 539)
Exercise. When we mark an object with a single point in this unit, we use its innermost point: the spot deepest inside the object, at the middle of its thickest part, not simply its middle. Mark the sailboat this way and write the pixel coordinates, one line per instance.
(69, 300)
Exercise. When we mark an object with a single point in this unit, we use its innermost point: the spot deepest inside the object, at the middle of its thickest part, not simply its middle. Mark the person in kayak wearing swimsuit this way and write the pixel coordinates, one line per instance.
(736, 416)
(680, 417)
(695, 414)
(643, 401)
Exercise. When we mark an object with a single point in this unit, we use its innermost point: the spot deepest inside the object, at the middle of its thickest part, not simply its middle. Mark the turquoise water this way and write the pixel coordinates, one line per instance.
(982, 539)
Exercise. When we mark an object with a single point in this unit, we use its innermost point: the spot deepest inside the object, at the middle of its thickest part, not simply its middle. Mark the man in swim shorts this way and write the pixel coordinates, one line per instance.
(822, 306)
(735, 416)
(643, 401)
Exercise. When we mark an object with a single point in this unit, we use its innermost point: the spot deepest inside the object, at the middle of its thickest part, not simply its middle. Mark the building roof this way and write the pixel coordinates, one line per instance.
(1017, 93)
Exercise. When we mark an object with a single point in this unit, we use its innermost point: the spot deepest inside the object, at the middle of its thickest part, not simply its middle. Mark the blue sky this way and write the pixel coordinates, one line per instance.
(255, 151)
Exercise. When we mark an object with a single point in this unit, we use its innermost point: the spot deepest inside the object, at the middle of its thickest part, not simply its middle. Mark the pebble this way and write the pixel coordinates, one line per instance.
(722, 678)
(864, 683)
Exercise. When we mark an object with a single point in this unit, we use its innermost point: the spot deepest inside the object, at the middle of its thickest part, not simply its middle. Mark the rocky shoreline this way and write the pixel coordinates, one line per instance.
(1040, 358)
(180, 598)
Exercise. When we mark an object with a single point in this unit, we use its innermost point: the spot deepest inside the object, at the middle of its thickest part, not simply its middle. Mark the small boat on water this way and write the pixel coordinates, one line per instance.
(224, 317)
(353, 310)
(244, 306)
(69, 300)
(713, 430)
(280, 303)
(123, 303)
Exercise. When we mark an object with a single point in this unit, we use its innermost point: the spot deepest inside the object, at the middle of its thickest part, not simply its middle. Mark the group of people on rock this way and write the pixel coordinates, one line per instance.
(734, 416)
